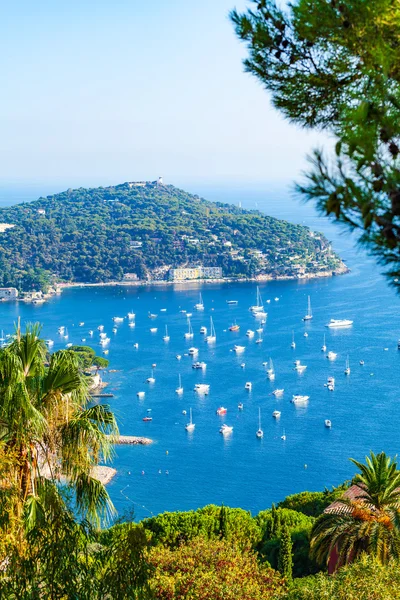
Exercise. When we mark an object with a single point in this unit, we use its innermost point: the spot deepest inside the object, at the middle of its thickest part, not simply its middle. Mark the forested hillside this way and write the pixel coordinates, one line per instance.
(100, 234)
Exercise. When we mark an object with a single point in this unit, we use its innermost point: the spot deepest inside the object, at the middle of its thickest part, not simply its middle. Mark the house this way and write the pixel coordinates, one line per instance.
(131, 277)
(8, 294)
(41, 211)
(135, 244)
(5, 226)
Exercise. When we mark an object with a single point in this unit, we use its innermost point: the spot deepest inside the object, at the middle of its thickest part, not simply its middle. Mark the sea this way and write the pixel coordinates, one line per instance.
(183, 471)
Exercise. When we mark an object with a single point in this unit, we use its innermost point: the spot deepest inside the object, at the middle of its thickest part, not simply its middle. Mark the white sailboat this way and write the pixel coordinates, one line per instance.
(166, 337)
(309, 314)
(259, 339)
(347, 369)
(259, 307)
(323, 347)
(190, 426)
(259, 432)
(293, 344)
(271, 371)
(179, 389)
(210, 339)
(200, 304)
(189, 333)
(152, 378)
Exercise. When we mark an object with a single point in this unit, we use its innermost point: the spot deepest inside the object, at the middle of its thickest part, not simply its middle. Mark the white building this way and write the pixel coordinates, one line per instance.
(8, 293)
(41, 211)
(190, 273)
(5, 226)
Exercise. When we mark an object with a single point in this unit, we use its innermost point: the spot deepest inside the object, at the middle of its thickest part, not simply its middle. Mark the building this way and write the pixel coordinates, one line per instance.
(8, 293)
(5, 226)
(190, 273)
(160, 180)
(131, 277)
(135, 244)
(41, 211)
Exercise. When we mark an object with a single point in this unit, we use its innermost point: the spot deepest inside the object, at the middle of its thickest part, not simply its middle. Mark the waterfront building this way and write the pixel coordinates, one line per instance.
(199, 272)
(10, 293)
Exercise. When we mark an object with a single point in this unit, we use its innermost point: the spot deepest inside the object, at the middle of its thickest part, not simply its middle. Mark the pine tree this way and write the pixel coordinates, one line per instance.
(223, 523)
(285, 558)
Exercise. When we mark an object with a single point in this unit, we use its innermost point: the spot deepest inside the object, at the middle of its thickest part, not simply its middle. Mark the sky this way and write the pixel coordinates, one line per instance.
(106, 91)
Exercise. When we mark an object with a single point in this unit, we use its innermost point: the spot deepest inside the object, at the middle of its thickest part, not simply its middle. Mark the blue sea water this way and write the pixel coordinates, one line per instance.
(181, 471)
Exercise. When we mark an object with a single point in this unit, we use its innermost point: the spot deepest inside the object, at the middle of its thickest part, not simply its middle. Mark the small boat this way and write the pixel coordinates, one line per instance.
(132, 324)
(184, 412)
(118, 319)
(337, 323)
(203, 330)
(234, 327)
(152, 316)
(100, 327)
(81, 324)
(69, 345)
(103, 335)
(131, 315)
(238, 349)
(259, 339)
(293, 344)
(242, 366)
(190, 426)
(258, 307)
(141, 395)
(146, 419)
(362, 363)
(261, 315)
(298, 399)
(240, 406)
(305, 334)
(199, 365)
(189, 334)
(152, 378)
(331, 355)
(225, 429)
(200, 304)
(66, 336)
(347, 369)
(278, 393)
(299, 367)
(276, 414)
(166, 337)
(49, 343)
(91, 333)
(259, 432)
(153, 366)
(323, 347)
(276, 299)
(250, 333)
(271, 371)
(179, 389)
(114, 330)
(309, 314)
(153, 329)
(178, 357)
(83, 339)
(202, 388)
(136, 345)
(232, 302)
(210, 339)
(61, 329)
(328, 423)
(248, 386)
(283, 437)
(221, 410)
(193, 351)
(189, 315)
(163, 310)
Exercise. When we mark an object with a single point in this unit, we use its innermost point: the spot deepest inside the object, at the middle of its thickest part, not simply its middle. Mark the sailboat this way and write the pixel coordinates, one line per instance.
(323, 347)
(66, 334)
(152, 378)
(190, 426)
(259, 432)
(347, 369)
(189, 333)
(212, 337)
(179, 389)
(166, 337)
(200, 304)
(283, 437)
(309, 315)
(259, 307)
(293, 344)
(259, 339)
(271, 371)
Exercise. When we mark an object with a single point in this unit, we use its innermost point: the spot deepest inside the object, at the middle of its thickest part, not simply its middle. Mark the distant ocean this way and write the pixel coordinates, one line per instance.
(181, 471)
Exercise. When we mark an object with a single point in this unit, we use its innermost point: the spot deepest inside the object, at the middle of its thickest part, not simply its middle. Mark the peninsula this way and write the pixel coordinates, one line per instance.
(148, 231)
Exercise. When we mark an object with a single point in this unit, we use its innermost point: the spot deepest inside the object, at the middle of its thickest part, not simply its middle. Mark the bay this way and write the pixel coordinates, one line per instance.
(180, 471)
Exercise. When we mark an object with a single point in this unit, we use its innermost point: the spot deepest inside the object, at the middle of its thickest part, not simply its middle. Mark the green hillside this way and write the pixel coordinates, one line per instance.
(100, 234)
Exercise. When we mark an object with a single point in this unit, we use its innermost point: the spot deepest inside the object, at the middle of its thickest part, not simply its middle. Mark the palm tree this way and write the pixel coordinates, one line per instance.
(366, 519)
(50, 436)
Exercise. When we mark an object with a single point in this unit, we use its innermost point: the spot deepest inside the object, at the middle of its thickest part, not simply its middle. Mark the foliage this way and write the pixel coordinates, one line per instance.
(212, 570)
(366, 579)
(94, 235)
(369, 522)
(312, 503)
(87, 357)
(335, 65)
(285, 558)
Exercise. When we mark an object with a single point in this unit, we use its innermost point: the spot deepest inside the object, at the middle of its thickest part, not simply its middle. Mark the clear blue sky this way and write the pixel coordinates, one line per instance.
(105, 91)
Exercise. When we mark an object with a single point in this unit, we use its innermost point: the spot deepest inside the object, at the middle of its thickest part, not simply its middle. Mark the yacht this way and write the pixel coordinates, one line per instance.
(61, 330)
(347, 369)
(248, 386)
(91, 333)
(225, 429)
(131, 315)
(305, 334)
(336, 323)
(210, 339)
(297, 399)
(147, 419)
(331, 355)
(114, 330)
(328, 423)
(240, 406)
(250, 333)
(166, 337)
(202, 388)
(234, 327)
(106, 352)
(49, 343)
(189, 315)
(193, 351)
(283, 437)
(178, 357)
(100, 327)
(83, 340)
(276, 299)
(199, 365)
(239, 349)
(242, 366)
(299, 367)
(362, 363)
(271, 371)
(277, 393)
(190, 426)
(141, 395)
(103, 335)
(118, 319)
(132, 324)
(152, 316)
(258, 307)
(179, 389)
(189, 334)
(81, 324)
(136, 345)
(309, 314)
(203, 330)
(232, 302)
(163, 310)
(260, 332)
(293, 344)
(152, 378)
(69, 345)
(153, 329)
(276, 414)
(200, 304)
(323, 347)
(221, 410)
(259, 432)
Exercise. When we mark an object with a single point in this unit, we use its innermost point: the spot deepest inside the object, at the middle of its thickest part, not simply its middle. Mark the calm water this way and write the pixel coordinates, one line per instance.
(241, 470)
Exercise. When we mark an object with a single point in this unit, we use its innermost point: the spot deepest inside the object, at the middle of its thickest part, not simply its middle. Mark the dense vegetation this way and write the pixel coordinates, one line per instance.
(94, 235)
(334, 65)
